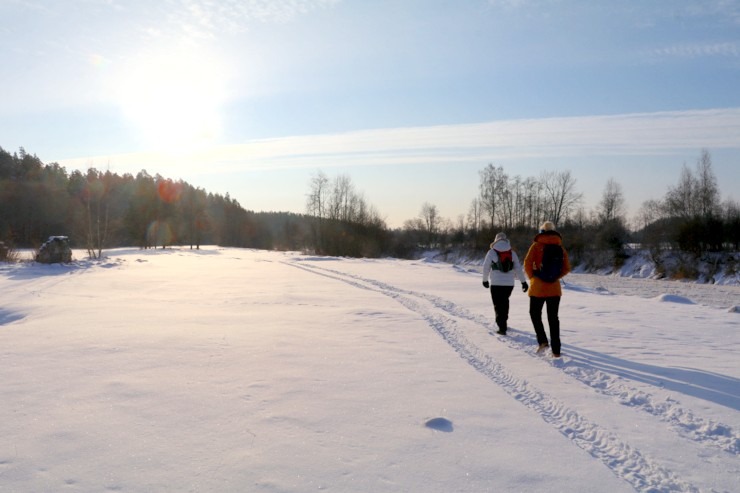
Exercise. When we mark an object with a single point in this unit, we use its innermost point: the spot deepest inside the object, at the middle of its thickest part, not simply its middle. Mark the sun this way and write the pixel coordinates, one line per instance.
(173, 99)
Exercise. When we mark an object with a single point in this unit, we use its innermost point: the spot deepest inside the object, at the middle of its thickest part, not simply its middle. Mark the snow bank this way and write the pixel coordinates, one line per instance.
(672, 298)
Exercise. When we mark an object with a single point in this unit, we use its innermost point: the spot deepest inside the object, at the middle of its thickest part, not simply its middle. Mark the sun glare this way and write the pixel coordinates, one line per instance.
(173, 100)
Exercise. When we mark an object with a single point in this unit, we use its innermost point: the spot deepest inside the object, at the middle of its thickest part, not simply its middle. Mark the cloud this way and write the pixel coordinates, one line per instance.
(724, 11)
(662, 133)
(205, 18)
(727, 49)
(508, 3)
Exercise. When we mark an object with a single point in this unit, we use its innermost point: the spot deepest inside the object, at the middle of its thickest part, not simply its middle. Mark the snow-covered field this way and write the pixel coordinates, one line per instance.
(717, 295)
(228, 370)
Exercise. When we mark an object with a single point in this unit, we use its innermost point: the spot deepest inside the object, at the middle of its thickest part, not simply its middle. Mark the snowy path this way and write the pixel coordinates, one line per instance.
(696, 442)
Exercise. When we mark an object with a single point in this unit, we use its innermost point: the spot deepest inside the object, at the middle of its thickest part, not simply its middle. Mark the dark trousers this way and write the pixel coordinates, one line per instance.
(535, 313)
(500, 297)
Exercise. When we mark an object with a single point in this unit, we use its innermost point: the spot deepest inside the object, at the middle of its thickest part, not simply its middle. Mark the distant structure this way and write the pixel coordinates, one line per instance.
(55, 250)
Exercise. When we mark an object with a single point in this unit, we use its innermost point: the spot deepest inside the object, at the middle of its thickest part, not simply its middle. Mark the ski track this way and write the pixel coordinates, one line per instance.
(670, 411)
(622, 459)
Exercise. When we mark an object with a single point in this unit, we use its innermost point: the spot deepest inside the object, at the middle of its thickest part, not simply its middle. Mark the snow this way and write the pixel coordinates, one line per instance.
(236, 370)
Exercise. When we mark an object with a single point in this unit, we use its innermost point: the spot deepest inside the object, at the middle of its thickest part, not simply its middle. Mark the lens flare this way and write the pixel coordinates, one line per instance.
(159, 233)
(169, 191)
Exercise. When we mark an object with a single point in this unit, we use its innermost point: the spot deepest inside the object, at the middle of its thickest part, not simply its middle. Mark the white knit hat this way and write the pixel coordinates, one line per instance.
(547, 226)
(500, 236)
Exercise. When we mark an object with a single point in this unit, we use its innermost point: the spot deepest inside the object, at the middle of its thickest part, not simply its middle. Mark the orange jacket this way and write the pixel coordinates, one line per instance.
(537, 287)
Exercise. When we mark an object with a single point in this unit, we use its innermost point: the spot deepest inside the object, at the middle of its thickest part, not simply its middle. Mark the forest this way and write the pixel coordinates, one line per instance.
(99, 210)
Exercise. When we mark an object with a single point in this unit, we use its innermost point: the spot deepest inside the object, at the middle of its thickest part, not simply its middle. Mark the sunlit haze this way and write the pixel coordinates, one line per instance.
(173, 99)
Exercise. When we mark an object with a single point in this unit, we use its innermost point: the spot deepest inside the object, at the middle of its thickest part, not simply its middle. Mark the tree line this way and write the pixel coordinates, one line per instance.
(100, 209)
(690, 219)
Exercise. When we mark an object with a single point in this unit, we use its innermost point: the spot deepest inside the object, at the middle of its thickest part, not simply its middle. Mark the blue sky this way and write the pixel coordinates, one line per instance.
(411, 99)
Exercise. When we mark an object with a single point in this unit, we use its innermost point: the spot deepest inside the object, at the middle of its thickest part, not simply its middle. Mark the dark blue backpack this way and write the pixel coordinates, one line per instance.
(552, 263)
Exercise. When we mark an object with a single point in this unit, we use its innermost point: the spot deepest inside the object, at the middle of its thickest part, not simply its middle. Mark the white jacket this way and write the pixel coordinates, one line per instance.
(498, 278)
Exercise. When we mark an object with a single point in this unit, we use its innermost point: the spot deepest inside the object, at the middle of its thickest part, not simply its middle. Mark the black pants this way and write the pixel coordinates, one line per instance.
(500, 297)
(535, 313)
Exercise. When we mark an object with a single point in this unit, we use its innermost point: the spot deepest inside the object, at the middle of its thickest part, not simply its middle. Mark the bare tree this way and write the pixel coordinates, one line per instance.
(680, 200)
(475, 217)
(532, 202)
(695, 195)
(516, 186)
(431, 221)
(342, 199)
(317, 197)
(650, 211)
(506, 209)
(316, 205)
(492, 182)
(611, 206)
(560, 194)
(707, 191)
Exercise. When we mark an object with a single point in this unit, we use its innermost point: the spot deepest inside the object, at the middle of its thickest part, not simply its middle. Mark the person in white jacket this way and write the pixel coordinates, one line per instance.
(500, 272)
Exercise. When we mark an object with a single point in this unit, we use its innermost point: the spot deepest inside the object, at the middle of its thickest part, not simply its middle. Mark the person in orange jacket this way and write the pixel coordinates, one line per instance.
(544, 285)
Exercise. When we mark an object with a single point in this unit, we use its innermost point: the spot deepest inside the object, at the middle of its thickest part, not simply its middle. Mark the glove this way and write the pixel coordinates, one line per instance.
(525, 286)
(485, 284)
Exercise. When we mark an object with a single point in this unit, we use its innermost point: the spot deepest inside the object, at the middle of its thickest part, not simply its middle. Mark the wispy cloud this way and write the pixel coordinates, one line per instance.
(727, 49)
(726, 11)
(629, 134)
(510, 3)
(207, 18)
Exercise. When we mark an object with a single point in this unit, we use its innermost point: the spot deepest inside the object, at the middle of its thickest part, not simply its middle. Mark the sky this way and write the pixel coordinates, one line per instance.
(216, 370)
(410, 99)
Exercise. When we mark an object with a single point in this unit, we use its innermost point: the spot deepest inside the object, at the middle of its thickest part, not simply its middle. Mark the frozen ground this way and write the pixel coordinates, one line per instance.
(229, 370)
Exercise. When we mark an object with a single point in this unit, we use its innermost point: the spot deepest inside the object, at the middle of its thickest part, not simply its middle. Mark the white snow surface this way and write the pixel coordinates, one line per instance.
(232, 370)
